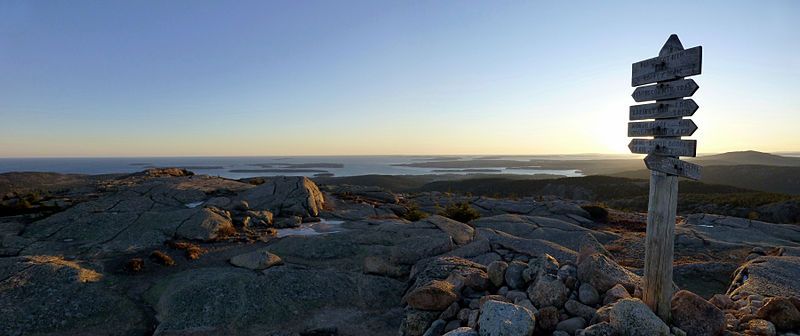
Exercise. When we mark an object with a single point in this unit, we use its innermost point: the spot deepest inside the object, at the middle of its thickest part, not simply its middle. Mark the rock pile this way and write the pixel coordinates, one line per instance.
(542, 296)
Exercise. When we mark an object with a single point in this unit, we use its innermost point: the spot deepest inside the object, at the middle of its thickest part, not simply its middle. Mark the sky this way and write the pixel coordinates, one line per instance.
(221, 78)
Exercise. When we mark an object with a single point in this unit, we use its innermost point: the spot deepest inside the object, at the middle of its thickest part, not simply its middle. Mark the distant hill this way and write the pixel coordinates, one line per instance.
(746, 158)
(777, 179)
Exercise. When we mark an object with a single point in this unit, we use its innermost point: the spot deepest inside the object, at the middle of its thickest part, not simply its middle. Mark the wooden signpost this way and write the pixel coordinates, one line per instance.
(667, 71)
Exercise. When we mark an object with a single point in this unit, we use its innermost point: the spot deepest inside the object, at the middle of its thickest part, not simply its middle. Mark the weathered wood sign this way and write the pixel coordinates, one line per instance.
(667, 147)
(672, 166)
(664, 109)
(663, 68)
(667, 90)
(667, 71)
(669, 127)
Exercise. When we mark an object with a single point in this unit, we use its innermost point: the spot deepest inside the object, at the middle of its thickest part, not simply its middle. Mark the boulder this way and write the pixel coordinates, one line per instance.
(548, 291)
(461, 233)
(696, 316)
(768, 276)
(603, 273)
(206, 224)
(256, 260)
(631, 317)
(286, 196)
(505, 319)
(436, 295)
(781, 312)
(497, 272)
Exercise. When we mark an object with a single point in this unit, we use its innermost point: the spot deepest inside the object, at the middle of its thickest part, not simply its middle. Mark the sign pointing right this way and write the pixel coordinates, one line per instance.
(666, 90)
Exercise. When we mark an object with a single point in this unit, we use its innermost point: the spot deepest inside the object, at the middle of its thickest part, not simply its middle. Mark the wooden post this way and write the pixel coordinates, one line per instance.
(668, 71)
(659, 243)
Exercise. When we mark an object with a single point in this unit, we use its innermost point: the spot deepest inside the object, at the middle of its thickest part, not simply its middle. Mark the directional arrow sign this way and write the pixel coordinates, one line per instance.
(666, 147)
(668, 90)
(674, 127)
(673, 166)
(663, 68)
(665, 109)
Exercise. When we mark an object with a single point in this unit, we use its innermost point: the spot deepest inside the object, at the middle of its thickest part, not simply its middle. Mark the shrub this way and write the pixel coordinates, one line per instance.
(162, 258)
(460, 211)
(598, 212)
(134, 265)
(193, 251)
(414, 213)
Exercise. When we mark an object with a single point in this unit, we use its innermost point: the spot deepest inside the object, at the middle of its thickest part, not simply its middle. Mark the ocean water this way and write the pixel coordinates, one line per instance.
(231, 167)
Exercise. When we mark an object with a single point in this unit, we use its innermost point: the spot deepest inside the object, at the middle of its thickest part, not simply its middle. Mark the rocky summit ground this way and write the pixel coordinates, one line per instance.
(167, 252)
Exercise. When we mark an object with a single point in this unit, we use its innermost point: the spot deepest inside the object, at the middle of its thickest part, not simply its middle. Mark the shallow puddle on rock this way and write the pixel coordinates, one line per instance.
(312, 229)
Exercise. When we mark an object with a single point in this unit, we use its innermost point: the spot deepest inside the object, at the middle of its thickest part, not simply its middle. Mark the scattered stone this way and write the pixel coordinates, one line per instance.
(576, 308)
(493, 297)
(571, 325)
(588, 295)
(599, 329)
(506, 319)
(760, 327)
(451, 312)
(416, 322)
(548, 291)
(722, 301)
(539, 266)
(696, 316)
(513, 275)
(781, 312)
(463, 331)
(497, 271)
(472, 322)
(436, 328)
(288, 222)
(452, 325)
(631, 317)
(256, 260)
(548, 318)
(615, 294)
(515, 295)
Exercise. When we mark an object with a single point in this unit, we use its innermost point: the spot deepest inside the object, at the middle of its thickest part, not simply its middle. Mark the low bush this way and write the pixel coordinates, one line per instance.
(460, 211)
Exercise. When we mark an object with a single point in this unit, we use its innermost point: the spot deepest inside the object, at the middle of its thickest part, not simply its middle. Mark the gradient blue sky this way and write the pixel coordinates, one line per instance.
(141, 78)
